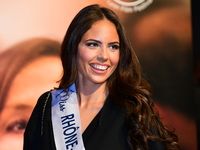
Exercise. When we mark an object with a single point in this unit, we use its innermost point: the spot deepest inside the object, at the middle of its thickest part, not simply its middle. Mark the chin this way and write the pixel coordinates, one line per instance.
(98, 81)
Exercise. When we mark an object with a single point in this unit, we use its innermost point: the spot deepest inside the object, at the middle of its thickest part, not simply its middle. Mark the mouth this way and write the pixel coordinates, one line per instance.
(99, 67)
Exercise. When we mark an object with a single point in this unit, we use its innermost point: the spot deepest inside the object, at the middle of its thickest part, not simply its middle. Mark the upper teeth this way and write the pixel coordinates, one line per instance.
(100, 67)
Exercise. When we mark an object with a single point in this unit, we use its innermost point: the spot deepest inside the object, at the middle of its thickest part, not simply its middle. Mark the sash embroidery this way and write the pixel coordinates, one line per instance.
(66, 120)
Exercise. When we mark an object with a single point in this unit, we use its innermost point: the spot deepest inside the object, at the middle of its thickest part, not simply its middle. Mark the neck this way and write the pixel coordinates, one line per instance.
(89, 94)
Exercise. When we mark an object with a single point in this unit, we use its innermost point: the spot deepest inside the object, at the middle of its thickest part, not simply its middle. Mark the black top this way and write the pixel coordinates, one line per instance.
(107, 131)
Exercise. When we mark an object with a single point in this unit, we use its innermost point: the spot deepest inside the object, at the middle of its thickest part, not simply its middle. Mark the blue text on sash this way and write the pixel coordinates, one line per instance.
(69, 131)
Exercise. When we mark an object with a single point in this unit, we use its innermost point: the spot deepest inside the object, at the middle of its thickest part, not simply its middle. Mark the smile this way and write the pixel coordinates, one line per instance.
(99, 67)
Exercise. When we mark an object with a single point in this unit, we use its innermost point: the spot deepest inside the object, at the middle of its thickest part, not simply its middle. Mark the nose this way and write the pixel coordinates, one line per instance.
(102, 56)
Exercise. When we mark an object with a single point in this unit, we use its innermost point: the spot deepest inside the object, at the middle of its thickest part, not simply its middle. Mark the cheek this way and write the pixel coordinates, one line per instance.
(115, 59)
(84, 56)
(12, 142)
(82, 60)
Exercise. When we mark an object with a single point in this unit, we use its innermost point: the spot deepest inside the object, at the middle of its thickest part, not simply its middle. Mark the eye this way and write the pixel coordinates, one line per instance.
(17, 126)
(115, 47)
(92, 44)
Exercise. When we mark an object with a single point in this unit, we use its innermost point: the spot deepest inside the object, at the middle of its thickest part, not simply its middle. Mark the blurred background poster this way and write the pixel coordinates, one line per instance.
(161, 33)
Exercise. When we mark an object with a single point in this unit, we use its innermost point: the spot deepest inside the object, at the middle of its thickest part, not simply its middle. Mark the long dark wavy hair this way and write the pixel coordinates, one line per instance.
(126, 86)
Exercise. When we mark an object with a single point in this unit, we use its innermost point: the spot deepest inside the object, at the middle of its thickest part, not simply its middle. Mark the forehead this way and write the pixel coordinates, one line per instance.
(103, 28)
(103, 23)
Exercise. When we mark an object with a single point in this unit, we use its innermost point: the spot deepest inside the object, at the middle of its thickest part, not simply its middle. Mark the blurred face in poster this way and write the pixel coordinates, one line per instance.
(36, 77)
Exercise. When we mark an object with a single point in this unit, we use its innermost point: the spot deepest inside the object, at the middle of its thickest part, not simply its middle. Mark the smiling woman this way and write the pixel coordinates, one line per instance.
(24, 74)
(102, 102)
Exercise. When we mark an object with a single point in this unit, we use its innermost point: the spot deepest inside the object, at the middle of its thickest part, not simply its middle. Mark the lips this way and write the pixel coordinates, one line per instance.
(99, 67)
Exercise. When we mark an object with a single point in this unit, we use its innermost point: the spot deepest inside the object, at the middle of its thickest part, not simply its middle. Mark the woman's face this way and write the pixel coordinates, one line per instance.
(98, 52)
(33, 80)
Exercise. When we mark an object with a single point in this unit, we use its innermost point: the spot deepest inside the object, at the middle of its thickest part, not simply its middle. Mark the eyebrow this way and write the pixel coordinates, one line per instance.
(19, 107)
(100, 42)
(22, 106)
(113, 43)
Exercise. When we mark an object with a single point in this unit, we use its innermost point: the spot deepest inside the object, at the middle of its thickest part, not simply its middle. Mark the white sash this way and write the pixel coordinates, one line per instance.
(66, 120)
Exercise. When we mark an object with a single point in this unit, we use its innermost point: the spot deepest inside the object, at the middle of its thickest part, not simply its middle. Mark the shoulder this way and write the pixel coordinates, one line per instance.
(44, 96)
(43, 99)
(38, 110)
(33, 128)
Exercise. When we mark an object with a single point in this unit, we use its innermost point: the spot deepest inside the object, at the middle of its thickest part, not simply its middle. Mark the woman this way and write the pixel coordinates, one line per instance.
(25, 73)
(102, 102)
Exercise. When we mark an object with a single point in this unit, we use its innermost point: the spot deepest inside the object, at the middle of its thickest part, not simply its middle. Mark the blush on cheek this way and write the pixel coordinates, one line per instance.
(115, 60)
(82, 53)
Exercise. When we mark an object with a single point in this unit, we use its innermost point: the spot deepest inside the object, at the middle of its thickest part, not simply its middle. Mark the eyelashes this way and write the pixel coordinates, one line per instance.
(116, 47)
(92, 44)
(17, 126)
(110, 46)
